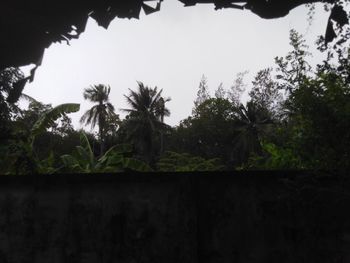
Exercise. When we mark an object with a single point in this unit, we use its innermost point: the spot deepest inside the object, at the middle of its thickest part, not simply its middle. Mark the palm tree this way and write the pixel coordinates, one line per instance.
(146, 118)
(100, 112)
(161, 111)
(251, 122)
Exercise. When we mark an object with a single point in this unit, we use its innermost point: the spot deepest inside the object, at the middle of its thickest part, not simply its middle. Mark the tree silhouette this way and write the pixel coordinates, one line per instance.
(220, 92)
(235, 92)
(251, 122)
(266, 93)
(202, 93)
(146, 118)
(100, 112)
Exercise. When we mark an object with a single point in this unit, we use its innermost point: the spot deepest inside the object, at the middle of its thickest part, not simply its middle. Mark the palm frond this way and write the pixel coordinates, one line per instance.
(97, 93)
(110, 108)
(28, 98)
(91, 116)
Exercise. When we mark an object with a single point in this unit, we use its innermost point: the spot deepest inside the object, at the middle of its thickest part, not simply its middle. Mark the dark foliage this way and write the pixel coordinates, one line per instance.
(297, 117)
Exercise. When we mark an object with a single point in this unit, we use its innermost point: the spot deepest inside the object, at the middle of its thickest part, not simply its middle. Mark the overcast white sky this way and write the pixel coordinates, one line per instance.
(170, 49)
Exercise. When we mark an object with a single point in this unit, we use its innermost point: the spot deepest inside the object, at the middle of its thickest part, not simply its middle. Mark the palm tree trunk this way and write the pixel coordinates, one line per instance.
(161, 133)
(100, 127)
(102, 147)
(161, 142)
(161, 137)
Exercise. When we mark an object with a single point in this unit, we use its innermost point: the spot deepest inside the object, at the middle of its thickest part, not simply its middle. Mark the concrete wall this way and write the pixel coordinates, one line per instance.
(236, 217)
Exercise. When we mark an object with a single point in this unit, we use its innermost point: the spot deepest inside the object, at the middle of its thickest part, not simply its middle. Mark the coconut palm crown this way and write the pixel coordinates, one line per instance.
(251, 122)
(146, 117)
(100, 112)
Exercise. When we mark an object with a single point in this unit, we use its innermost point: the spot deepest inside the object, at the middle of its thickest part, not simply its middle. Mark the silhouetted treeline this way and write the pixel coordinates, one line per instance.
(296, 117)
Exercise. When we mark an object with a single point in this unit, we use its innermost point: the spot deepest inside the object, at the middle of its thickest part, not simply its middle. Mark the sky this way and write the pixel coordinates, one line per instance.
(170, 49)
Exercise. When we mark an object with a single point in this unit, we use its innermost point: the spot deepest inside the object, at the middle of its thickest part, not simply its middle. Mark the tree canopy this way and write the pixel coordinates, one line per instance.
(296, 116)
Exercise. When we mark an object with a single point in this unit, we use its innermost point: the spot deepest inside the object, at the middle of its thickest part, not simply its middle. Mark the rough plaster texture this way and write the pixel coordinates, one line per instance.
(174, 218)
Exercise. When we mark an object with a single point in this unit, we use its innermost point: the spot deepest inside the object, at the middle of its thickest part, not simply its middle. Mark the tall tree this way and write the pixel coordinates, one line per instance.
(202, 93)
(266, 93)
(294, 69)
(237, 88)
(220, 92)
(100, 112)
(161, 112)
(146, 118)
(319, 114)
(208, 133)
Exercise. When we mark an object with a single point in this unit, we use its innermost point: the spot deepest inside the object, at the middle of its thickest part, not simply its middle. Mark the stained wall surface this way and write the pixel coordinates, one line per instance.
(175, 218)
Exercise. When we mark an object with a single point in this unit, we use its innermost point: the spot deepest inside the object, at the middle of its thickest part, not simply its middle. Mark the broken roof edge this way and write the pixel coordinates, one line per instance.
(37, 26)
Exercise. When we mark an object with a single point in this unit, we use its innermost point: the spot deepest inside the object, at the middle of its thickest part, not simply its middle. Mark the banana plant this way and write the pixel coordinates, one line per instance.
(21, 157)
(48, 118)
(114, 160)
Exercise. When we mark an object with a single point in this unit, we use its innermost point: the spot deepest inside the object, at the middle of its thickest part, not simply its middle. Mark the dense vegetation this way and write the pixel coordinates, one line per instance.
(297, 117)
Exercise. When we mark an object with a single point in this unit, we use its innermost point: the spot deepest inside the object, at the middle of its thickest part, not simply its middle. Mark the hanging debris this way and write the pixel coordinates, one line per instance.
(27, 28)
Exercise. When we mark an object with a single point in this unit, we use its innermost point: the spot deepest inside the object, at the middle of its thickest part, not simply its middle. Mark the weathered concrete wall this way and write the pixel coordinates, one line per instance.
(174, 218)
